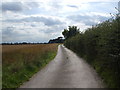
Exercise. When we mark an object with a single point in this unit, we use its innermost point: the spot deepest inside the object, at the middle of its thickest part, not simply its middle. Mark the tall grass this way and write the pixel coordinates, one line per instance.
(20, 62)
(100, 46)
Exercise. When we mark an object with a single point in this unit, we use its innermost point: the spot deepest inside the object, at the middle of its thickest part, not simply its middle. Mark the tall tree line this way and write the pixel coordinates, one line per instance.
(100, 46)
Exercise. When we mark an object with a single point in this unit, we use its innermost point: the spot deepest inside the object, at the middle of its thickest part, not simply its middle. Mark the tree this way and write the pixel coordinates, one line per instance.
(57, 40)
(72, 31)
(65, 33)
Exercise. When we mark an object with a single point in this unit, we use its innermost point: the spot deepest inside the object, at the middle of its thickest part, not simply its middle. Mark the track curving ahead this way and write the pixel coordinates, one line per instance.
(67, 70)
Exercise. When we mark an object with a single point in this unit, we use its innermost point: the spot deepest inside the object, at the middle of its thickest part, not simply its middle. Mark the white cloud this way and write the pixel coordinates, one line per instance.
(64, 1)
(41, 20)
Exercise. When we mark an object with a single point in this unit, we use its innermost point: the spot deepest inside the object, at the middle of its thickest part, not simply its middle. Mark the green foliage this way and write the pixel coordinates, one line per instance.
(72, 31)
(100, 46)
(12, 78)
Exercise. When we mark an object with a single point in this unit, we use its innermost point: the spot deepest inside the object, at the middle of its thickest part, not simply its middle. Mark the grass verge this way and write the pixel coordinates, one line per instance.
(21, 64)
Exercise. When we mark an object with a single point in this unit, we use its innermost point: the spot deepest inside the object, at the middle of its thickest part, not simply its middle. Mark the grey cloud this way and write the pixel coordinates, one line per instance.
(49, 31)
(32, 4)
(78, 17)
(8, 31)
(53, 29)
(13, 31)
(46, 20)
(88, 20)
(56, 4)
(11, 34)
(102, 18)
(33, 25)
(12, 6)
(18, 6)
(73, 6)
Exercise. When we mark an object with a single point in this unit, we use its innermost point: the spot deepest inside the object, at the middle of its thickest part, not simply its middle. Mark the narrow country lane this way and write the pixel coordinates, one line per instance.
(67, 70)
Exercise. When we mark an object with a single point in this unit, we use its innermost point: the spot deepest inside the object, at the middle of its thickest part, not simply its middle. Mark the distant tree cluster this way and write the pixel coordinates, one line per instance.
(57, 40)
(21, 43)
(100, 46)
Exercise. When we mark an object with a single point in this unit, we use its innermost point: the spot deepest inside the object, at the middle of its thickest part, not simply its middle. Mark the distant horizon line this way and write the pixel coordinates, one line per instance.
(21, 42)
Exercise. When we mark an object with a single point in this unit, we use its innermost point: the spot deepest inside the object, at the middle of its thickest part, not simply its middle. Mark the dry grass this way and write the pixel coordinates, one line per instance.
(10, 48)
(20, 62)
(29, 51)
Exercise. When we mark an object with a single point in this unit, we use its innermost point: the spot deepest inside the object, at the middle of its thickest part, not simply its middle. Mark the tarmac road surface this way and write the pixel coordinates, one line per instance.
(67, 70)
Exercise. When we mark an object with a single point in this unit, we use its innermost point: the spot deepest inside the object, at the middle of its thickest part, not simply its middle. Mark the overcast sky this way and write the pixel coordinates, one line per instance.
(41, 20)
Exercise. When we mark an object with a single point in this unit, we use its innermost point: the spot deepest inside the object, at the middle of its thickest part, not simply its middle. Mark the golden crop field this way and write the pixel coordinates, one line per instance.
(9, 48)
(20, 62)
(29, 51)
